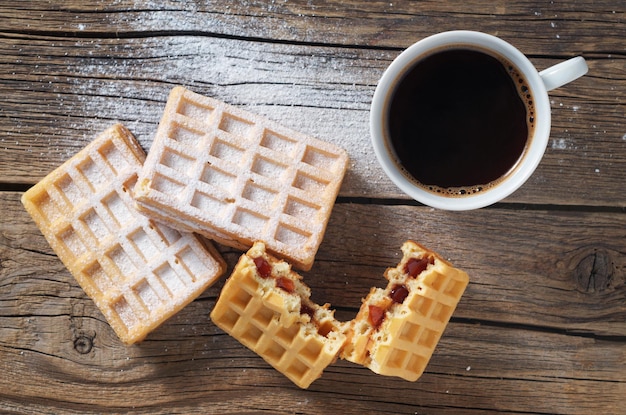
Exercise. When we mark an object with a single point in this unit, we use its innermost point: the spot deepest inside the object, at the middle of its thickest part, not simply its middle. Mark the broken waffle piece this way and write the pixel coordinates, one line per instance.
(137, 272)
(397, 328)
(266, 306)
(237, 178)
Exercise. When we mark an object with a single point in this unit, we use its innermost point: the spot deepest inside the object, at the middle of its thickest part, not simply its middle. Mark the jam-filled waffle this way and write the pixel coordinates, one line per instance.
(265, 306)
(398, 328)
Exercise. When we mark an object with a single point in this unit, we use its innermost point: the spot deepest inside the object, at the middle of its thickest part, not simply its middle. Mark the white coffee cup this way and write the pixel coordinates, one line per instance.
(539, 84)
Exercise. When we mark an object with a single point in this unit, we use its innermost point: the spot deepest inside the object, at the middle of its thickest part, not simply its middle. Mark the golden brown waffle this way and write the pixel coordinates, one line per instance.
(239, 178)
(267, 308)
(398, 328)
(138, 272)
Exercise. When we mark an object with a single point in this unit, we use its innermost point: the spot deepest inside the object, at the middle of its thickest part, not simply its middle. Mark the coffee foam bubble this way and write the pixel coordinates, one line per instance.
(524, 92)
(460, 191)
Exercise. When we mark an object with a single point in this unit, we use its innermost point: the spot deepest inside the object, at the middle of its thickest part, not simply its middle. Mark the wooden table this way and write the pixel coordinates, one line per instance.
(542, 326)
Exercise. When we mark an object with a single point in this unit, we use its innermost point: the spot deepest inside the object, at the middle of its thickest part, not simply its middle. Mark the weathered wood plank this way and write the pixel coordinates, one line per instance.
(52, 331)
(55, 104)
(547, 269)
(553, 270)
(542, 326)
(550, 29)
(537, 261)
(187, 366)
(210, 373)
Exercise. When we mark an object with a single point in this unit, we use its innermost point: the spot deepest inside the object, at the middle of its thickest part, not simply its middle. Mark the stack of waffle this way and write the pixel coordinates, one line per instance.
(125, 225)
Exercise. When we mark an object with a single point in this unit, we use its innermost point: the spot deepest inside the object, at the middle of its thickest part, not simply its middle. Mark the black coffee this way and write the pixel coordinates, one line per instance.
(459, 120)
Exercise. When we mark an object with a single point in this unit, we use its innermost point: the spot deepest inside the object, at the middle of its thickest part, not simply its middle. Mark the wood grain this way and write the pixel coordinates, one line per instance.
(541, 328)
(558, 28)
(62, 90)
(524, 300)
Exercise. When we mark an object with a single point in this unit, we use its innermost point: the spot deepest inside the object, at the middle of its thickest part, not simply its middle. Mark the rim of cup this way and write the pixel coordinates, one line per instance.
(460, 39)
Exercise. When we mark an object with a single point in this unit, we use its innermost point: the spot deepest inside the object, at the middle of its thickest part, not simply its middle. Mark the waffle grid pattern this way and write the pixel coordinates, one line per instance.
(416, 333)
(241, 177)
(137, 272)
(245, 314)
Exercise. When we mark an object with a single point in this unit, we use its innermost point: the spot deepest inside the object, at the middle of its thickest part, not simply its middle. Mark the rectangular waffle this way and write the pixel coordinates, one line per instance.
(138, 272)
(267, 308)
(239, 178)
(397, 328)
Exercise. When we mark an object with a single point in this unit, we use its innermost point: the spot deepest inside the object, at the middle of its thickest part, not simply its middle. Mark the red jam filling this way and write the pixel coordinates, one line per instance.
(376, 316)
(263, 267)
(415, 266)
(285, 284)
(305, 309)
(398, 293)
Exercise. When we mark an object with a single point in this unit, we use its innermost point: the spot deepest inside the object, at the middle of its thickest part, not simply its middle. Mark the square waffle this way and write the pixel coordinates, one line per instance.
(238, 178)
(267, 308)
(137, 272)
(397, 328)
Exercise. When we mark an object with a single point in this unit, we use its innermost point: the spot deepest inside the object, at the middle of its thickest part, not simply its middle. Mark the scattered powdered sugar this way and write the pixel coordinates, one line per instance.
(559, 144)
(320, 92)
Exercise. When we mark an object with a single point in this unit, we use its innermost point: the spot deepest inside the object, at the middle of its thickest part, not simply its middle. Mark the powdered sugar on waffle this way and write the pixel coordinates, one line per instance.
(138, 272)
(239, 178)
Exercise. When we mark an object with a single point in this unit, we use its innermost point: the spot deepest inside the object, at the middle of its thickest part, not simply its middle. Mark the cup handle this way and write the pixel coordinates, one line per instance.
(564, 72)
